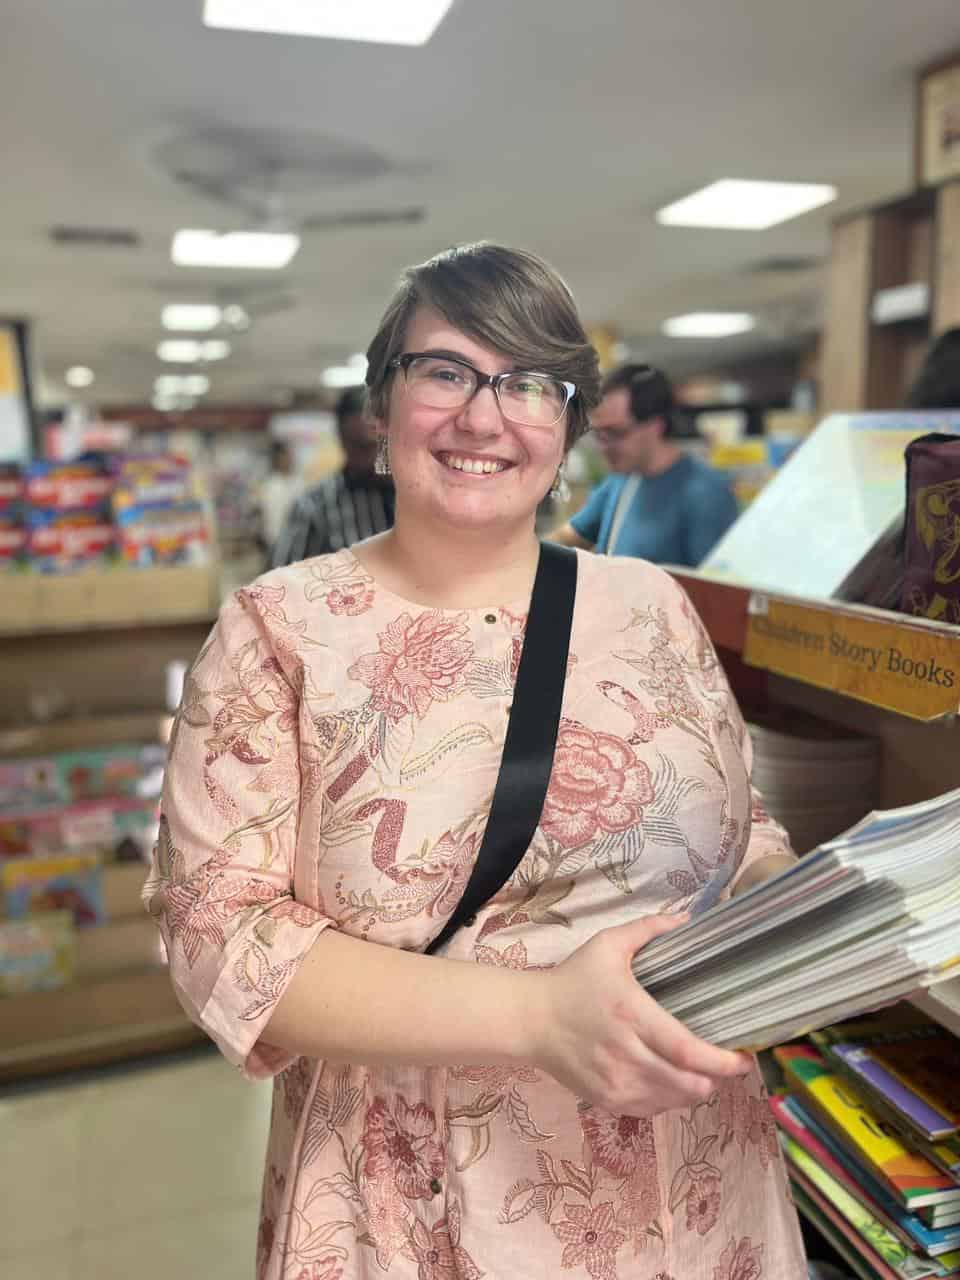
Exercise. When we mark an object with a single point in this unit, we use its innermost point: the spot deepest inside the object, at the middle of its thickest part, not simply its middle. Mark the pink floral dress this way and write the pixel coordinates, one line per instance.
(331, 767)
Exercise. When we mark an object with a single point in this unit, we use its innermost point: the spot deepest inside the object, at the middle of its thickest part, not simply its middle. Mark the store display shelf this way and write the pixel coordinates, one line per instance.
(98, 599)
(93, 1022)
(891, 661)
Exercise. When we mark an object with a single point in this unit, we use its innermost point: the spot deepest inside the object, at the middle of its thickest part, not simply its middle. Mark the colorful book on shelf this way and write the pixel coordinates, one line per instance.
(71, 883)
(36, 954)
(914, 1067)
(911, 1178)
(816, 1139)
(863, 1260)
(811, 1175)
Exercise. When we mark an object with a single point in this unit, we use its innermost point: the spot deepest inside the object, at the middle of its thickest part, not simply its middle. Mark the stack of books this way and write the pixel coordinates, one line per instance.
(864, 920)
(815, 778)
(871, 1132)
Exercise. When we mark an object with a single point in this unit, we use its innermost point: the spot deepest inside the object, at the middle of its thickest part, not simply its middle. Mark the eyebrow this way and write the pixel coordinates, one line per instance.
(442, 353)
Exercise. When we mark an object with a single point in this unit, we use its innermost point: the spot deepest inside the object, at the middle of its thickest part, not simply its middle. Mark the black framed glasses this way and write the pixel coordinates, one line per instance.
(444, 382)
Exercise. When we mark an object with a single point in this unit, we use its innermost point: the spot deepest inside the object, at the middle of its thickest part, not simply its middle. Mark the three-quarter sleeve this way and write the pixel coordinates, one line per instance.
(221, 885)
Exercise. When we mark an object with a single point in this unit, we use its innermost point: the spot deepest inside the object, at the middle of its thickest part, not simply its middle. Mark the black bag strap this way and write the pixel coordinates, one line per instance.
(531, 736)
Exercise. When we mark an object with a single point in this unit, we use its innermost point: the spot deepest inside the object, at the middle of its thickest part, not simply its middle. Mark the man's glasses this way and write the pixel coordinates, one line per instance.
(441, 382)
(613, 435)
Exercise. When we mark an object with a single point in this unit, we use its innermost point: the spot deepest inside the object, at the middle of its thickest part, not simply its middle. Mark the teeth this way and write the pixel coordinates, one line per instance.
(474, 466)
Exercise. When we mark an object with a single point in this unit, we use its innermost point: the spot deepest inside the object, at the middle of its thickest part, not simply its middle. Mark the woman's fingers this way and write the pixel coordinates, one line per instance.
(676, 1044)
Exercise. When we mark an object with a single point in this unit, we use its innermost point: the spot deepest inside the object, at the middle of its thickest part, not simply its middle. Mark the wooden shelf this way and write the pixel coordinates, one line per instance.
(890, 661)
(98, 1021)
(102, 599)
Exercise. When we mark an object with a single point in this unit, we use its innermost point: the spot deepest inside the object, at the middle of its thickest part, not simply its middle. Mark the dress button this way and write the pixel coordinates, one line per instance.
(470, 921)
(436, 1186)
(491, 617)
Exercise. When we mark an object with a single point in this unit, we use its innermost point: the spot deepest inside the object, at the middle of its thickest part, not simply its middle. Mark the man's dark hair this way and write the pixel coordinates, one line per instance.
(279, 449)
(353, 401)
(937, 385)
(651, 393)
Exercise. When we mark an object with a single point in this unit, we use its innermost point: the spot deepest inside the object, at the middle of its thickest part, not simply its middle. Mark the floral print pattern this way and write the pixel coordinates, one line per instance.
(332, 765)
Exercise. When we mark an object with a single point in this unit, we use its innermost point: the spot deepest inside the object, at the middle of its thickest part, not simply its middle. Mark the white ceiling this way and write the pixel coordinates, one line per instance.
(558, 125)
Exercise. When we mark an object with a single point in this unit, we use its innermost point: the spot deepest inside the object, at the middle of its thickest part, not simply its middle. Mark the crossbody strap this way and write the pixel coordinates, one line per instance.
(527, 760)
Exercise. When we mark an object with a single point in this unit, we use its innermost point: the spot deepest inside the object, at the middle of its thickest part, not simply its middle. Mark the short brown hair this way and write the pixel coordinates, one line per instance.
(651, 394)
(507, 299)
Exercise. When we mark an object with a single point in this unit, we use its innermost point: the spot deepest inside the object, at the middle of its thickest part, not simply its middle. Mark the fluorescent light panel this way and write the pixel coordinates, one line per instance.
(351, 374)
(257, 250)
(190, 351)
(78, 376)
(739, 205)
(176, 384)
(709, 324)
(409, 22)
(191, 317)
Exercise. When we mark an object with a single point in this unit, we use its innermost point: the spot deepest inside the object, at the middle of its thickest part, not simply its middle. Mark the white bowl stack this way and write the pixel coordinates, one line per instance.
(816, 779)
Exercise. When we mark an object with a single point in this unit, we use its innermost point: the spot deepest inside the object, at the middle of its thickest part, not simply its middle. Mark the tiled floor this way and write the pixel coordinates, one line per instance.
(152, 1173)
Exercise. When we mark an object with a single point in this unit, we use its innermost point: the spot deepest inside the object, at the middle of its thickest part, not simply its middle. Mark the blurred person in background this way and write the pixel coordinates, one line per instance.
(660, 504)
(937, 385)
(278, 492)
(344, 508)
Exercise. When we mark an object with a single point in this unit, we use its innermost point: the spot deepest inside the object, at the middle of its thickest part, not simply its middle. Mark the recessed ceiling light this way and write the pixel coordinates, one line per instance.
(78, 376)
(190, 351)
(256, 250)
(351, 374)
(408, 22)
(709, 324)
(176, 384)
(746, 206)
(191, 317)
(236, 317)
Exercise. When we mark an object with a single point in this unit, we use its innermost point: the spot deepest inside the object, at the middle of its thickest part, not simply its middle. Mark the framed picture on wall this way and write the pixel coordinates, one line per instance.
(938, 123)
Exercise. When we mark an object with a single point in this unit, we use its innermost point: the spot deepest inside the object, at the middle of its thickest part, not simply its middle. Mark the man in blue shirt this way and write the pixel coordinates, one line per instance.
(659, 504)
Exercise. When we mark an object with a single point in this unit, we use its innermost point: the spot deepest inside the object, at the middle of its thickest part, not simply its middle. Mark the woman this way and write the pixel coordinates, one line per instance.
(516, 1106)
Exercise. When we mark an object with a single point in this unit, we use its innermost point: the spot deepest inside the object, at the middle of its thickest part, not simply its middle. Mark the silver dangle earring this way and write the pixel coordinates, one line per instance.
(381, 463)
(559, 490)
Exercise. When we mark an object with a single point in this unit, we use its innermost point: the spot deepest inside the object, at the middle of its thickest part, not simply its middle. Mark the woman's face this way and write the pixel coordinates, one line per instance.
(429, 447)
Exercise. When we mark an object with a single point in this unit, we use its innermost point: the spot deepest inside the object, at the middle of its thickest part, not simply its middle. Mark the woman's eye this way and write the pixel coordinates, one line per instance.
(449, 374)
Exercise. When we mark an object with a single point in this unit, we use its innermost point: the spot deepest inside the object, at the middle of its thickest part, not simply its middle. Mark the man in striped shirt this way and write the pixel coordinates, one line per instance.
(346, 507)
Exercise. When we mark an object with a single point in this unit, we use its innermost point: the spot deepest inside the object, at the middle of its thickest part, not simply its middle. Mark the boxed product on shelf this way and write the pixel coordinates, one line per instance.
(157, 480)
(68, 777)
(67, 486)
(37, 954)
(12, 488)
(13, 541)
(163, 535)
(70, 882)
(122, 827)
(61, 541)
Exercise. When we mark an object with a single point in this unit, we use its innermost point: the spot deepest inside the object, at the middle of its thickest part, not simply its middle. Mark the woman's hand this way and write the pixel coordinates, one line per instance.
(598, 1032)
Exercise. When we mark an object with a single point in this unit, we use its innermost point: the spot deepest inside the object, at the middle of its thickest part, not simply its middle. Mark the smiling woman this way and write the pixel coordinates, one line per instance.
(514, 1105)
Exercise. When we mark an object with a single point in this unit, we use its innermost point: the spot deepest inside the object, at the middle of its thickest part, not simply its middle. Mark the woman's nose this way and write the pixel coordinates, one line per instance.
(481, 414)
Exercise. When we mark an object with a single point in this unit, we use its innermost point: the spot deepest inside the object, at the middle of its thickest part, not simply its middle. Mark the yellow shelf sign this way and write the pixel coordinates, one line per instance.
(910, 668)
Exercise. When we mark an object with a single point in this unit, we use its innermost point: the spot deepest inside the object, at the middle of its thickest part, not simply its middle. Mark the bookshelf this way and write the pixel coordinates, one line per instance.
(921, 753)
(869, 359)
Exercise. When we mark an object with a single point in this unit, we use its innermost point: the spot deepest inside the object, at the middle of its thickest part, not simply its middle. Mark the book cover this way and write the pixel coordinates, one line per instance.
(930, 1067)
(71, 883)
(36, 954)
(821, 1144)
(894, 1252)
(911, 1177)
(867, 1064)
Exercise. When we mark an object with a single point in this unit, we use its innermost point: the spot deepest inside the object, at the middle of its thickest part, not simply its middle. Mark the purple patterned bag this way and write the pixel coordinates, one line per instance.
(931, 579)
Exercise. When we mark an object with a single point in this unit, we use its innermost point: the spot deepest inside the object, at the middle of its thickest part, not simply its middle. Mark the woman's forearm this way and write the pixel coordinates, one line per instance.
(353, 1001)
(763, 869)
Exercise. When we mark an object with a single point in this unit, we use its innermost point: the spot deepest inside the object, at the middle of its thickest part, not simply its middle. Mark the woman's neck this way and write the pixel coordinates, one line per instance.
(453, 569)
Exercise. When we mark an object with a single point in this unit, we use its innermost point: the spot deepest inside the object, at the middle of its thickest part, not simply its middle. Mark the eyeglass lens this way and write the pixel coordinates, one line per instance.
(530, 398)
